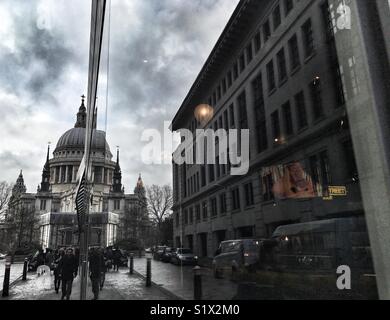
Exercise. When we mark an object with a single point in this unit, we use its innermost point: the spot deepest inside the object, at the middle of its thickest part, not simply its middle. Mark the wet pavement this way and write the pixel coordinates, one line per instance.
(179, 280)
(118, 286)
(16, 272)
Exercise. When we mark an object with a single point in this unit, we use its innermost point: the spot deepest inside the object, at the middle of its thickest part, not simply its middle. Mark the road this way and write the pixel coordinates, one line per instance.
(179, 280)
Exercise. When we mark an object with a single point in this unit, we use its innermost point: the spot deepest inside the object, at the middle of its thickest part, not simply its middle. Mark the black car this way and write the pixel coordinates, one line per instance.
(167, 255)
(159, 251)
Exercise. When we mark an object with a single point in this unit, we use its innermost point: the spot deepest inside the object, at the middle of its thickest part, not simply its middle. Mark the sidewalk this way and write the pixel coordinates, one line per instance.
(179, 281)
(118, 286)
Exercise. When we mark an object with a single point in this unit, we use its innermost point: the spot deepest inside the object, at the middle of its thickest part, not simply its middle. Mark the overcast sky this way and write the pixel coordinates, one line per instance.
(157, 48)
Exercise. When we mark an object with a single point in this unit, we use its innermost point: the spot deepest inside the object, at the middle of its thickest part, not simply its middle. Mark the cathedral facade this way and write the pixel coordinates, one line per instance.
(114, 214)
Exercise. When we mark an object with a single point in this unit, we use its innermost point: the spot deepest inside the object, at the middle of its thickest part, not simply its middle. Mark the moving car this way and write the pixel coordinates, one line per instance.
(184, 256)
(167, 255)
(233, 255)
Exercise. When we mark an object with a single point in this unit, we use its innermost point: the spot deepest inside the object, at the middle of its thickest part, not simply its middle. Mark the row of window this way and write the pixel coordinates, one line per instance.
(217, 205)
(254, 46)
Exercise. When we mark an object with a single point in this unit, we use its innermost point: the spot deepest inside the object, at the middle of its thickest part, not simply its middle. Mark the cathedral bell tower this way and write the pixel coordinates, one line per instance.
(45, 183)
(117, 179)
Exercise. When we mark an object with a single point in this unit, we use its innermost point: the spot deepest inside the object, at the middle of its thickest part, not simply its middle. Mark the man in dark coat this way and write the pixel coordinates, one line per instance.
(95, 270)
(68, 269)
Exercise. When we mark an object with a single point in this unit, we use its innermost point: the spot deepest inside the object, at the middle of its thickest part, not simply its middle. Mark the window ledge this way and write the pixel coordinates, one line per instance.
(270, 93)
(283, 81)
(295, 70)
(310, 56)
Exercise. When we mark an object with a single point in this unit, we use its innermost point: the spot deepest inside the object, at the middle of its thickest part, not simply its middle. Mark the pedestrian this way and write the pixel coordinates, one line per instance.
(117, 259)
(49, 258)
(40, 258)
(57, 274)
(104, 268)
(95, 270)
(68, 269)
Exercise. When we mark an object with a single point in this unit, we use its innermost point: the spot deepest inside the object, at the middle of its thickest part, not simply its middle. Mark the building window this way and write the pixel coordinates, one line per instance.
(282, 68)
(288, 6)
(277, 19)
(191, 215)
(257, 41)
(177, 219)
(249, 52)
(271, 76)
(320, 172)
(185, 217)
(203, 175)
(249, 199)
(223, 86)
(275, 126)
(214, 211)
(222, 202)
(232, 121)
(242, 62)
(242, 111)
(266, 31)
(229, 79)
(236, 199)
(308, 39)
(294, 53)
(258, 97)
(225, 120)
(262, 136)
(197, 213)
(287, 118)
(301, 110)
(117, 204)
(218, 168)
(211, 173)
(267, 182)
(316, 96)
(235, 71)
(219, 93)
(43, 204)
(204, 209)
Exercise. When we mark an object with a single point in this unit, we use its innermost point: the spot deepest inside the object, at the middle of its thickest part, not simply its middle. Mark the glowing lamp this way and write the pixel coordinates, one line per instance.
(204, 113)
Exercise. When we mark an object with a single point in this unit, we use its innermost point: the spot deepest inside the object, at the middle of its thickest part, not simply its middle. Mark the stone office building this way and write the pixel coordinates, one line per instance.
(274, 71)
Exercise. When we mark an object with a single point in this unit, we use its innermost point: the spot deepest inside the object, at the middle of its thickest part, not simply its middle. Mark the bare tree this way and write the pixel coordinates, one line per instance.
(5, 195)
(159, 204)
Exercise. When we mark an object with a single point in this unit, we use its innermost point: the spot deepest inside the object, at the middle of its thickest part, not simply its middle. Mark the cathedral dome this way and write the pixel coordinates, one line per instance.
(75, 139)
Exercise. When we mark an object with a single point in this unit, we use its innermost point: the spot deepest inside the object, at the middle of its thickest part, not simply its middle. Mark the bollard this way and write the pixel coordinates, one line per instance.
(6, 276)
(24, 278)
(131, 263)
(148, 272)
(197, 283)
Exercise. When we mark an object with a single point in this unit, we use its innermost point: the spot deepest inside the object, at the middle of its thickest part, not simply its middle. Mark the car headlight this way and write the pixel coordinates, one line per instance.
(196, 257)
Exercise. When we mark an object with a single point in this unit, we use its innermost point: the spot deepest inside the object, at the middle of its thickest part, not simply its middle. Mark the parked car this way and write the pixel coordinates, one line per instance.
(167, 255)
(2, 256)
(184, 256)
(233, 255)
(158, 252)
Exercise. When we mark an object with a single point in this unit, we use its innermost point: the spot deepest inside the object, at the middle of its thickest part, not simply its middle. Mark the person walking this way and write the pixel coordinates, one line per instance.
(104, 268)
(49, 258)
(95, 270)
(68, 269)
(57, 274)
(117, 259)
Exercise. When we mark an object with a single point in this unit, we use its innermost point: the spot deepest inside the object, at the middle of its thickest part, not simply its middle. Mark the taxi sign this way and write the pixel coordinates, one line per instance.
(337, 191)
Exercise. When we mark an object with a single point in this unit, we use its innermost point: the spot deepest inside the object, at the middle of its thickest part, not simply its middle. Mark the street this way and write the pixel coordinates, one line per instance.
(170, 282)
(179, 280)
